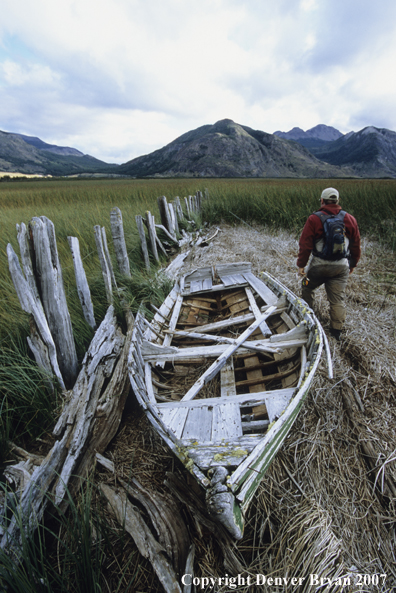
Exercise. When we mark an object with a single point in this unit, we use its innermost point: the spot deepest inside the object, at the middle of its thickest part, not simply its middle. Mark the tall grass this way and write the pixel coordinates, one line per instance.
(74, 552)
(75, 207)
(287, 203)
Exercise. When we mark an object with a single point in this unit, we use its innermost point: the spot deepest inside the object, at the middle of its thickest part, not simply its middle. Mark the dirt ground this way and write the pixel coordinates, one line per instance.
(325, 512)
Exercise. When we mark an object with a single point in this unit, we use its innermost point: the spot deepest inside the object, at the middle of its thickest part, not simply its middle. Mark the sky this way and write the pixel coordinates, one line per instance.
(117, 79)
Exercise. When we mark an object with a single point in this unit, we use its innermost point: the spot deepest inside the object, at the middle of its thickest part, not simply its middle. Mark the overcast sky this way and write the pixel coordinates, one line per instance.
(120, 78)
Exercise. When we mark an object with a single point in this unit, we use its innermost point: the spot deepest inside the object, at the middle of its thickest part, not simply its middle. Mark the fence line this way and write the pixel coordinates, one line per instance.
(40, 288)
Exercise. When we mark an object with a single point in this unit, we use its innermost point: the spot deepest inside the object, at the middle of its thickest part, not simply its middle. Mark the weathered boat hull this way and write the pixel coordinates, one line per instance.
(222, 372)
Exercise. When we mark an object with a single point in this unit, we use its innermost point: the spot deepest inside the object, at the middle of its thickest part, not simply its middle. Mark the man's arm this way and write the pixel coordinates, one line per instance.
(306, 243)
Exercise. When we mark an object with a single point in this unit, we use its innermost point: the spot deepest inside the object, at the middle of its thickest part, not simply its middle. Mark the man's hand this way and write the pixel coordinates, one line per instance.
(351, 270)
(301, 271)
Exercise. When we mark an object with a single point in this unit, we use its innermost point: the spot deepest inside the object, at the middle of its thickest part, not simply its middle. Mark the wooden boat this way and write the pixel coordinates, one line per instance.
(222, 371)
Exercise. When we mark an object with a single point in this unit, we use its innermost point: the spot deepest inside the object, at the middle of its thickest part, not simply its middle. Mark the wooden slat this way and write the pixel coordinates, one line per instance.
(207, 284)
(227, 280)
(227, 379)
(243, 400)
(265, 330)
(266, 294)
(117, 233)
(229, 454)
(175, 420)
(233, 268)
(149, 382)
(196, 286)
(154, 353)
(152, 234)
(227, 422)
(173, 319)
(276, 405)
(198, 424)
(255, 380)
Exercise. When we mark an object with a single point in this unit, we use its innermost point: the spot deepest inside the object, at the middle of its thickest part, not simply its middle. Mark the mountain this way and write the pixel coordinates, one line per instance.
(29, 155)
(314, 138)
(227, 149)
(37, 143)
(370, 152)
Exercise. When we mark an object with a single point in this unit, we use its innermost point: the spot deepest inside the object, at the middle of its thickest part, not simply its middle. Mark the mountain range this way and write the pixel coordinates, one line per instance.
(224, 149)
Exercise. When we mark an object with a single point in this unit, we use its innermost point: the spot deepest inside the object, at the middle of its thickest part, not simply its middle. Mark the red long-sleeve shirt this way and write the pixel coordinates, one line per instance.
(313, 231)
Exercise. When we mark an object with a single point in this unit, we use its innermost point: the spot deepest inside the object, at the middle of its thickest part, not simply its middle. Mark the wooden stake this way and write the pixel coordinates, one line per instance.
(152, 234)
(143, 242)
(103, 263)
(30, 304)
(50, 280)
(83, 291)
(117, 232)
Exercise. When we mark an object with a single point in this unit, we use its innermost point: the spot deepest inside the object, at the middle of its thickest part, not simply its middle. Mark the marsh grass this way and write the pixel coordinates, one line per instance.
(73, 552)
(287, 203)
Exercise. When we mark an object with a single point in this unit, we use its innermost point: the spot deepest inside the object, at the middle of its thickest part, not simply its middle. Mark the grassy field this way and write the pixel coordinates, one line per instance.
(27, 409)
(76, 205)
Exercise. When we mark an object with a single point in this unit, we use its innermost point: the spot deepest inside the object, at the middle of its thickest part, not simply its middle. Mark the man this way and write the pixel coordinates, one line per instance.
(328, 270)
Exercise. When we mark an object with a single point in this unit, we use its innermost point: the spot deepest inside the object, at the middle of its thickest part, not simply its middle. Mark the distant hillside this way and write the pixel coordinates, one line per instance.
(25, 154)
(37, 143)
(314, 138)
(227, 149)
(370, 152)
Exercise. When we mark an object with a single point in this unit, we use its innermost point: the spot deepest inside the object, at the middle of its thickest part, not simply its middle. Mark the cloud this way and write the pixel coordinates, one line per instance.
(119, 78)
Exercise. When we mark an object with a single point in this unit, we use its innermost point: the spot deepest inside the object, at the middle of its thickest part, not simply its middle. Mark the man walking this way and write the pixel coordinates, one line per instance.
(332, 236)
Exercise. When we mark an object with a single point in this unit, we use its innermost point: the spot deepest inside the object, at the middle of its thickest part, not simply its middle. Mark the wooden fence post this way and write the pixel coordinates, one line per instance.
(26, 251)
(103, 263)
(84, 294)
(41, 341)
(166, 218)
(51, 289)
(152, 234)
(172, 211)
(107, 255)
(179, 210)
(187, 207)
(117, 232)
(142, 235)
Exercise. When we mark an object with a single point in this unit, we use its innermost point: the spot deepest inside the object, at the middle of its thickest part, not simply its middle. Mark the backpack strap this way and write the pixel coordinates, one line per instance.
(323, 216)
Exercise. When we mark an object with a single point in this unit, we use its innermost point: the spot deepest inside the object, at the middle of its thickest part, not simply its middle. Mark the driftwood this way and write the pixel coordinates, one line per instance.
(117, 232)
(89, 421)
(78, 417)
(84, 294)
(51, 289)
(147, 545)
